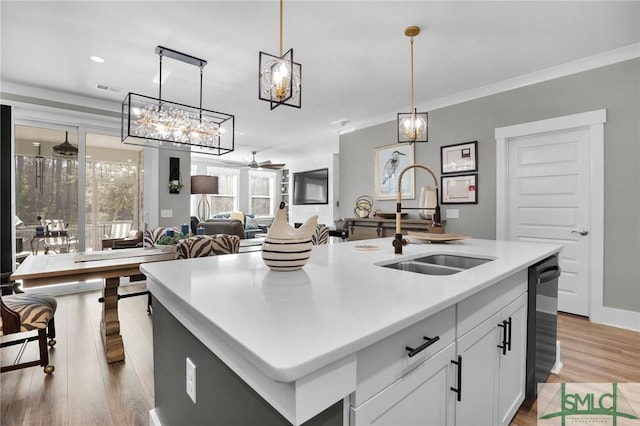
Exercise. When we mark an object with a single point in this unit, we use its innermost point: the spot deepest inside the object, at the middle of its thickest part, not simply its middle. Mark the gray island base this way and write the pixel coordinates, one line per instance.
(346, 340)
(225, 399)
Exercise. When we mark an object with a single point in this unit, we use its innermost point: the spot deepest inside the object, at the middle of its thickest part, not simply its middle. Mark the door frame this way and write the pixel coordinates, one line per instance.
(594, 121)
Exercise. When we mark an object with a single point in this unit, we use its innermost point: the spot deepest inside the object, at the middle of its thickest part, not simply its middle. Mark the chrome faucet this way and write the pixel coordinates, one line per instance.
(398, 242)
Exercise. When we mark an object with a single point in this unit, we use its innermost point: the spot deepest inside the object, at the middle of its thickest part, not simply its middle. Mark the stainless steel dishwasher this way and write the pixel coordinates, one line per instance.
(542, 322)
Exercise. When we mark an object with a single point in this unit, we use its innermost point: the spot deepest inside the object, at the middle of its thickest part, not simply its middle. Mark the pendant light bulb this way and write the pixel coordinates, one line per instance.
(413, 127)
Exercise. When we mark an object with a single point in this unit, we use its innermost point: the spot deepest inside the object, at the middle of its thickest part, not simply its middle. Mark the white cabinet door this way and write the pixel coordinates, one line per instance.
(422, 397)
(512, 365)
(478, 349)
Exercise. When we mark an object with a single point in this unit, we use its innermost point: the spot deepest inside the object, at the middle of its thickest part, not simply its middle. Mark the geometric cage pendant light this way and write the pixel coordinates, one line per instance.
(280, 81)
(412, 126)
(158, 123)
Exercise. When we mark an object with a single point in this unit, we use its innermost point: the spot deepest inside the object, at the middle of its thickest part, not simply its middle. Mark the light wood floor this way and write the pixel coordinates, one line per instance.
(85, 390)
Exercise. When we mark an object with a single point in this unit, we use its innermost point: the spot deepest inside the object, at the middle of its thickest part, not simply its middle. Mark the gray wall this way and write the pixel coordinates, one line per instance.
(615, 88)
(156, 188)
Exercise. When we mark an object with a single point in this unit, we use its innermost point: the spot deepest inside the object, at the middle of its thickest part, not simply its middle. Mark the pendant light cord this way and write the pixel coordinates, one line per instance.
(160, 81)
(201, 73)
(412, 100)
(281, 19)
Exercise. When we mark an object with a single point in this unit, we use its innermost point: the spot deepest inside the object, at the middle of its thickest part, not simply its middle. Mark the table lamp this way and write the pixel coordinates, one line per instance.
(202, 184)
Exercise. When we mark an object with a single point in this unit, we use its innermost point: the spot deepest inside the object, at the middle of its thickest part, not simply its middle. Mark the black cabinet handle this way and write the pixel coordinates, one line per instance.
(509, 335)
(425, 345)
(503, 346)
(459, 390)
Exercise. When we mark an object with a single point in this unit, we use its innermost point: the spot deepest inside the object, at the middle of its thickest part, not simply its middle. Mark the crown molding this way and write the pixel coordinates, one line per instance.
(611, 57)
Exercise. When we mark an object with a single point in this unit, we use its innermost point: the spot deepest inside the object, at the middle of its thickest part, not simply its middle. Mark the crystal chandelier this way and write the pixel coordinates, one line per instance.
(412, 126)
(159, 123)
(280, 79)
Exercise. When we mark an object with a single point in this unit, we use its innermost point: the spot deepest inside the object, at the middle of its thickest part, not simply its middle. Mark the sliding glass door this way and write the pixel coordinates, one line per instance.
(54, 214)
(46, 176)
(113, 192)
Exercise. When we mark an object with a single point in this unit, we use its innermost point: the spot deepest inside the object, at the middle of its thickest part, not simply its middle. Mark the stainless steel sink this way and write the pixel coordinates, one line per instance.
(438, 264)
(422, 268)
(453, 261)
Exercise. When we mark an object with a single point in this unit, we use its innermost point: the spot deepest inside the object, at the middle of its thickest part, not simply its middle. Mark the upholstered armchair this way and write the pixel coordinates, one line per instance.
(207, 245)
(132, 240)
(28, 312)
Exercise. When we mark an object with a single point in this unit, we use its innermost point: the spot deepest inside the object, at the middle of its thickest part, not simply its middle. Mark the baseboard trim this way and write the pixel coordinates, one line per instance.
(620, 318)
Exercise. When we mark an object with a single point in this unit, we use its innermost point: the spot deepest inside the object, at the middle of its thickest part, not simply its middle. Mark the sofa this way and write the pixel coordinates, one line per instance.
(223, 226)
(249, 222)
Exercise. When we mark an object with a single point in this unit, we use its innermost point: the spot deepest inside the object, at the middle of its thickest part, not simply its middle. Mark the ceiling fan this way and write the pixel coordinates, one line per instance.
(253, 164)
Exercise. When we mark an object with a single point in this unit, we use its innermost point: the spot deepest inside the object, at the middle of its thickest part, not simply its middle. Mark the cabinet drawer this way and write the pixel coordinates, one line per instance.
(384, 362)
(422, 397)
(477, 308)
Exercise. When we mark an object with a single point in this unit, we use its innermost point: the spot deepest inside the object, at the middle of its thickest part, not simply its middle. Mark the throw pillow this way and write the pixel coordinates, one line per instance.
(252, 223)
(237, 215)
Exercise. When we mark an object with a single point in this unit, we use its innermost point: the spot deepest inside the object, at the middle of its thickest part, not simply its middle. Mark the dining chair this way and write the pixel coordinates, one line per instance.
(207, 245)
(321, 236)
(150, 236)
(26, 313)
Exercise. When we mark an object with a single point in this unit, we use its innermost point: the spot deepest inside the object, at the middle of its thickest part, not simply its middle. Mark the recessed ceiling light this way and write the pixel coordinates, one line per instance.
(97, 59)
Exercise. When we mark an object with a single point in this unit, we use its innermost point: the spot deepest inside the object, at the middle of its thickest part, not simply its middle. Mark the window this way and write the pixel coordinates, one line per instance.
(226, 199)
(261, 192)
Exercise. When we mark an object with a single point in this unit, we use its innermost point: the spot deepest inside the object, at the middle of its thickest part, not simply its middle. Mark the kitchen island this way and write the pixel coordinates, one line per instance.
(313, 344)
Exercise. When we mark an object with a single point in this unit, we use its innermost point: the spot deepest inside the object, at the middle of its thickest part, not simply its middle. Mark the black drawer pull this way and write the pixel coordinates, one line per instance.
(459, 390)
(425, 345)
(503, 346)
(509, 335)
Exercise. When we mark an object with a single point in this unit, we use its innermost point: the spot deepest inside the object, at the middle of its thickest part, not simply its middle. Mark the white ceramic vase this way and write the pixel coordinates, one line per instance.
(287, 248)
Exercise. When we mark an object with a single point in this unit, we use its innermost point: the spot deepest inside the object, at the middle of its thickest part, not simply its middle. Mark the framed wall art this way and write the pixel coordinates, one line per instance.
(461, 189)
(390, 160)
(459, 158)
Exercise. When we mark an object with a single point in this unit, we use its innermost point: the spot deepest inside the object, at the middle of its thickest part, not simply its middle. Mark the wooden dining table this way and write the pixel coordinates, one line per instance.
(39, 270)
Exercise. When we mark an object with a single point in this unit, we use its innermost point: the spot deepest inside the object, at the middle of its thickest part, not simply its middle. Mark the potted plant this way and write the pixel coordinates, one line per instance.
(174, 186)
(168, 242)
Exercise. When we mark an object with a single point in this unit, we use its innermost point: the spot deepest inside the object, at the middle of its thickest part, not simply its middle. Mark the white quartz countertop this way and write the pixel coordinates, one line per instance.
(290, 324)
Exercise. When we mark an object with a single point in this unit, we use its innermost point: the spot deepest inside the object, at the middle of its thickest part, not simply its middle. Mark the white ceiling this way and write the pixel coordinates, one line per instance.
(354, 55)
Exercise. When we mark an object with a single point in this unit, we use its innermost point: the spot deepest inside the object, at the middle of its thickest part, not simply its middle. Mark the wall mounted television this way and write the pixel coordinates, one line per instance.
(311, 187)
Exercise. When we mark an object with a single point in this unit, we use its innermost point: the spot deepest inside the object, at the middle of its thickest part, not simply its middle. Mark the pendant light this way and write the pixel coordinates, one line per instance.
(280, 81)
(412, 126)
(159, 123)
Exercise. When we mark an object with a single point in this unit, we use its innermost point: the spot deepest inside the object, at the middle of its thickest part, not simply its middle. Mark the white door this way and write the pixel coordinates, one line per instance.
(549, 201)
